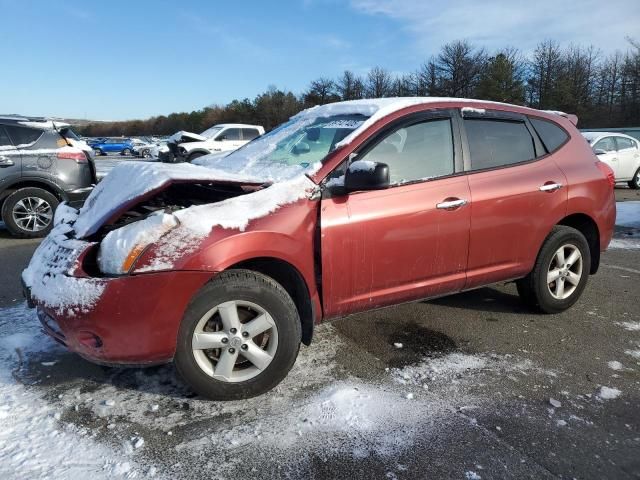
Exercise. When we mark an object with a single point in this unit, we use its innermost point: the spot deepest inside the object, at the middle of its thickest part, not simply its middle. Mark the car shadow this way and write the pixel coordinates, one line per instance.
(486, 299)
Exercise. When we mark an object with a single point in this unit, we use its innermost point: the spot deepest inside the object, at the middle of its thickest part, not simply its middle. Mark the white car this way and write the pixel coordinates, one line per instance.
(219, 138)
(621, 152)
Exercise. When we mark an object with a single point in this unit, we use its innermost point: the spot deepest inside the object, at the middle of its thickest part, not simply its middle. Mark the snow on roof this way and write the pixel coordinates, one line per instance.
(45, 124)
(378, 108)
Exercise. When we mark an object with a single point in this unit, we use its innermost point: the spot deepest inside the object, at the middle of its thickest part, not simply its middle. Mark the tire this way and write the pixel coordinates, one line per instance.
(98, 152)
(126, 152)
(562, 293)
(635, 181)
(146, 153)
(28, 212)
(251, 295)
(195, 155)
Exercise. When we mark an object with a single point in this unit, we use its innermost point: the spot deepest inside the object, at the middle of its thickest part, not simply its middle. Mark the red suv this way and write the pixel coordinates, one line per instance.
(226, 266)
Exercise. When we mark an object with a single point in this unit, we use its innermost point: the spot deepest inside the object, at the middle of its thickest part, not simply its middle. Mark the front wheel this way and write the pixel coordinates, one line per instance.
(239, 337)
(560, 272)
(635, 181)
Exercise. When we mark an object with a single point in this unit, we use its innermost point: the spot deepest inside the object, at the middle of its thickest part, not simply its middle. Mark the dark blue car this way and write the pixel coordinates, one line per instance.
(123, 146)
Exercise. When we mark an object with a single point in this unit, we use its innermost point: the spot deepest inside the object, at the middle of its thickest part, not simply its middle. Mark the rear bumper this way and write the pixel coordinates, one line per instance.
(135, 321)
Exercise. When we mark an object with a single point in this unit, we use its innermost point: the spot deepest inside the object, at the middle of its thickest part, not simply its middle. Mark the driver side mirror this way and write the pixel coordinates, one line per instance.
(366, 175)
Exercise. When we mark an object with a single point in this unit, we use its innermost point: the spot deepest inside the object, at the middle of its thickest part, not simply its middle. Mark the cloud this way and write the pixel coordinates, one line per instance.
(497, 23)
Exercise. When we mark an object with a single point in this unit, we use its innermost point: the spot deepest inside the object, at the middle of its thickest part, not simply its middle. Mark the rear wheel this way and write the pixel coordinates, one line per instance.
(146, 153)
(560, 272)
(28, 212)
(635, 181)
(126, 152)
(239, 336)
(98, 152)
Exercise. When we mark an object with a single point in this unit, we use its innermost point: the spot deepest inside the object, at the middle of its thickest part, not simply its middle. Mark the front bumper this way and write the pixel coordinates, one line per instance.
(135, 321)
(75, 198)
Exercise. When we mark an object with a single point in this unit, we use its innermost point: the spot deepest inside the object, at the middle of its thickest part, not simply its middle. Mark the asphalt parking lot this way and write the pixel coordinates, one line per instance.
(479, 388)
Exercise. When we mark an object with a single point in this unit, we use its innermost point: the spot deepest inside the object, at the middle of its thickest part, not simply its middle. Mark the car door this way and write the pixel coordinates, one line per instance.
(10, 160)
(408, 241)
(607, 152)
(628, 157)
(517, 194)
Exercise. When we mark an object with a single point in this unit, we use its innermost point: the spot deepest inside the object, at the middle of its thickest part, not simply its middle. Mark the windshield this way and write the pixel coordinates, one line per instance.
(211, 132)
(295, 147)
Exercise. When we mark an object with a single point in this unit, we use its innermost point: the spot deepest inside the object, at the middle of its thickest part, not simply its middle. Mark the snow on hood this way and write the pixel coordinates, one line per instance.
(131, 180)
(177, 137)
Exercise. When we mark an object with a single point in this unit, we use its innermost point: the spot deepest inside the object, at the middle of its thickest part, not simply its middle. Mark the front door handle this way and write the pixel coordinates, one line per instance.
(6, 162)
(451, 204)
(550, 187)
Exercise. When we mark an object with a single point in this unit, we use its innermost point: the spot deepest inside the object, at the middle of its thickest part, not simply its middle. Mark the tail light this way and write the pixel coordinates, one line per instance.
(78, 156)
(607, 172)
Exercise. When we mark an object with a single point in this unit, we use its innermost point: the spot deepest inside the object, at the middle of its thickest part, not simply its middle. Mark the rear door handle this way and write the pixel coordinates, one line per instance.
(451, 204)
(550, 187)
(6, 162)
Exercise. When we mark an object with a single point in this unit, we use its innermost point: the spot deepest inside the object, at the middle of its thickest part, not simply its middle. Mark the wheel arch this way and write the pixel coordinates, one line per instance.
(589, 228)
(292, 281)
(32, 183)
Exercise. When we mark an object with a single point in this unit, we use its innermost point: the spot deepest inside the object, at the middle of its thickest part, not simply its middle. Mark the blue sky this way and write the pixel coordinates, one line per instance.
(133, 59)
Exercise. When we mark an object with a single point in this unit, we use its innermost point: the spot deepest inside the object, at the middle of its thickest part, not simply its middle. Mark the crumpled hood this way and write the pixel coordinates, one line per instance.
(128, 182)
(180, 137)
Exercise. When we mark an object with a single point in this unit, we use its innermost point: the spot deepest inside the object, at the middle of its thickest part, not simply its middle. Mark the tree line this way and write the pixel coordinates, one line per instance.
(603, 90)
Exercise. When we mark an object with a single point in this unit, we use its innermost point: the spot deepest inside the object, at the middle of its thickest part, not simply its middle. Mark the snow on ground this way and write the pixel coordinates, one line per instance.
(631, 326)
(316, 409)
(34, 441)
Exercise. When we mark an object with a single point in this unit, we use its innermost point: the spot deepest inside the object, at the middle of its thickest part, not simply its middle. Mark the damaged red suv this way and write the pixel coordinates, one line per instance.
(226, 266)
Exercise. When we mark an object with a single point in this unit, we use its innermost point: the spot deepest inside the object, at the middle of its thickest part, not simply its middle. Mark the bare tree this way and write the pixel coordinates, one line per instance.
(321, 91)
(379, 83)
(459, 65)
(350, 86)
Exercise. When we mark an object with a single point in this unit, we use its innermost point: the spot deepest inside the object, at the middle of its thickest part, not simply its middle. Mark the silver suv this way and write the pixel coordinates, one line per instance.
(42, 163)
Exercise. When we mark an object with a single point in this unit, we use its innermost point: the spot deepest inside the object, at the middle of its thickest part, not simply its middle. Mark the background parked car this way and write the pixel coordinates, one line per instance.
(621, 152)
(149, 149)
(41, 164)
(187, 146)
(123, 146)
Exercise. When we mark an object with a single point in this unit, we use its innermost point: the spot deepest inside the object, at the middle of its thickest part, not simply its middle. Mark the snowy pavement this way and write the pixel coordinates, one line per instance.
(468, 386)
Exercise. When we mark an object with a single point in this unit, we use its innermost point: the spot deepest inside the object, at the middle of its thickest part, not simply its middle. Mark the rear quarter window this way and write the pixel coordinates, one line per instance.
(498, 143)
(552, 136)
(23, 135)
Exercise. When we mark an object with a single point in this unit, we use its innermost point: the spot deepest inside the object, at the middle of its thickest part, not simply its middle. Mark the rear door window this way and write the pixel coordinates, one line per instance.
(23, 136)
(552, 136)
(498, 143)
(249, 133)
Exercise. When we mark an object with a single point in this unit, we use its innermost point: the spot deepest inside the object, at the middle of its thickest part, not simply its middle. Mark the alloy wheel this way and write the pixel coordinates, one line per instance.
(235, 341)
(565, 272)
(32, 214)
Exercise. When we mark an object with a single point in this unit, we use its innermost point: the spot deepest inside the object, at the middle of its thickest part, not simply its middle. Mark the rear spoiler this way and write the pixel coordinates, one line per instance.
(571, 117)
